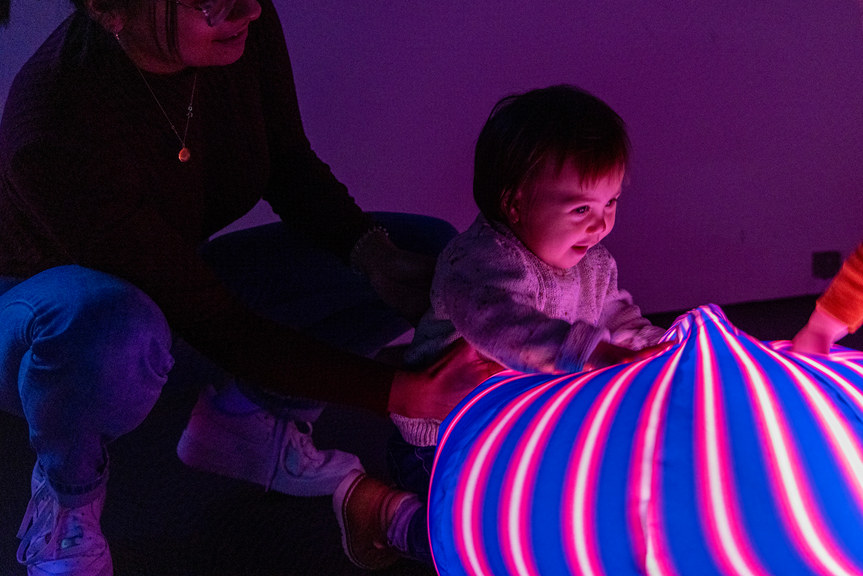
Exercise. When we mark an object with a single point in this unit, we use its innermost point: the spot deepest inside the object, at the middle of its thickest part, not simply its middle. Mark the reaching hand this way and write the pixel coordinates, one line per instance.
(819, 334)
(606, 354)
(402, 279)
(436, 391)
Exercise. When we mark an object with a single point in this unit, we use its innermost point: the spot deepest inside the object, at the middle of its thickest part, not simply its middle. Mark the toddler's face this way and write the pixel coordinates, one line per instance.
(558, 219)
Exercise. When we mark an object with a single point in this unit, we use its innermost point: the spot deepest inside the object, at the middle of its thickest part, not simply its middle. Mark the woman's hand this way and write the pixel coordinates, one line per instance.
(436, 391)
(402, 279)
(606, 354)
(819, 334)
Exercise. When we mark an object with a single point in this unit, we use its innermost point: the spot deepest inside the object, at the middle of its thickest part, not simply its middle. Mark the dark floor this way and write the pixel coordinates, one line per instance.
(162, 518)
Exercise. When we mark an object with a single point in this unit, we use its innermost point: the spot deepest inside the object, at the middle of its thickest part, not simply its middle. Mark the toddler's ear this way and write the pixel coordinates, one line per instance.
(511, 207)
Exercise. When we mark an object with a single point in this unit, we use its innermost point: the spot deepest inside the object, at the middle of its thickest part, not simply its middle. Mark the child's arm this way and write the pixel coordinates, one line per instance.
(839, 310)
(494, 295)
(628, 328)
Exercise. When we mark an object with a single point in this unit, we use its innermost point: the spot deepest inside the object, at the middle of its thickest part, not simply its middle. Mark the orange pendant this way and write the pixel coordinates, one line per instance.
(184, 155)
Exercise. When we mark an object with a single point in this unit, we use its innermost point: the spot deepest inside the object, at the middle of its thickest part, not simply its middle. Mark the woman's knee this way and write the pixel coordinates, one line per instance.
(96, 324)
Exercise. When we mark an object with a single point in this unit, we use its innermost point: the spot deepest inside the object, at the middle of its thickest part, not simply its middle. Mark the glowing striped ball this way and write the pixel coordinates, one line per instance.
(722, 455)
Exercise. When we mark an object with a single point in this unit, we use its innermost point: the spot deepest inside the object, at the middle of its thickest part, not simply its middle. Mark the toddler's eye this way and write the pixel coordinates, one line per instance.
(581, 210)
(611, 202)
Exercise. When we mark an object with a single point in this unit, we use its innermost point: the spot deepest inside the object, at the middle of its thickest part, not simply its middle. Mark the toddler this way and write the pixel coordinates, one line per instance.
(528, 284)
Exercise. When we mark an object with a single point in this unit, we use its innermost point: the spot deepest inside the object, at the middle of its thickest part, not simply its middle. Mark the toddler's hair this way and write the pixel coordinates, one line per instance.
(524, 131)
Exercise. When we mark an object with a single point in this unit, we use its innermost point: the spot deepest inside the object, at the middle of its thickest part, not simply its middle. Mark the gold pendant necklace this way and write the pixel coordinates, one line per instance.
(184, 154)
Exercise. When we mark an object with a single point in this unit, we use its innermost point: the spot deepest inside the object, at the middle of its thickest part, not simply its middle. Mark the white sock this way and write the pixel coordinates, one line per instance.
(397, 532)
(417, 431)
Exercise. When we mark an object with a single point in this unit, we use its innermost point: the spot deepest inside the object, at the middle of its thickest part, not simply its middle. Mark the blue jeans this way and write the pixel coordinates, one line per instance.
(280, 274)
(84, 355)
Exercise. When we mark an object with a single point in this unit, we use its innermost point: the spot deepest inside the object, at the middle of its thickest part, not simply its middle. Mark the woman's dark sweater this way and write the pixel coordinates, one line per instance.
(89, 175)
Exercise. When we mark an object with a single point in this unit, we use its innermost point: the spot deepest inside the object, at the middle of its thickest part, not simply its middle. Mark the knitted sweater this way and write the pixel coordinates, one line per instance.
(843, 299)
(514, 308)
(518, 310)
(89, 175)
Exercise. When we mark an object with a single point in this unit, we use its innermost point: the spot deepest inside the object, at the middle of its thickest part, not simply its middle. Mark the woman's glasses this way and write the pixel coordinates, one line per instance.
(215, 11)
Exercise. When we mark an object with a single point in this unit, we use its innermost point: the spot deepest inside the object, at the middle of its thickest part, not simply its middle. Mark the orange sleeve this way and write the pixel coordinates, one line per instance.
(843, 299)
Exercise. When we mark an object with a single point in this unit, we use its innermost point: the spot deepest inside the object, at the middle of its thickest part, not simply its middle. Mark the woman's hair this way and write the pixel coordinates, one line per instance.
(556, 124)
(170, 22)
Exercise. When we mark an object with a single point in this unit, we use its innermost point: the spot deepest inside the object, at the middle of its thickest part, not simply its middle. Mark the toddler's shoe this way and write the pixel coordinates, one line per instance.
(59, 541)
(259, 447)
(365, 507)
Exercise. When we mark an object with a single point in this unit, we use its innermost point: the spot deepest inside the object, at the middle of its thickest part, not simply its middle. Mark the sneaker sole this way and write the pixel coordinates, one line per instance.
(340, 500)
(106, 570)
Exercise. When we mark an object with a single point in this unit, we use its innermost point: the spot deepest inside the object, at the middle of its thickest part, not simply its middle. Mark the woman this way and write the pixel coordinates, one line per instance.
(139, 129)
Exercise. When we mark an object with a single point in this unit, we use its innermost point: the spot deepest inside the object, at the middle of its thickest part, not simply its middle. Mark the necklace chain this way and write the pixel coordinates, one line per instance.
(184, 153)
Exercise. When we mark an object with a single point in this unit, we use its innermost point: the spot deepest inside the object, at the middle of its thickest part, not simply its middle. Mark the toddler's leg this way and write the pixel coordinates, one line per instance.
(408, 531)
(379, 524)
(410, 465)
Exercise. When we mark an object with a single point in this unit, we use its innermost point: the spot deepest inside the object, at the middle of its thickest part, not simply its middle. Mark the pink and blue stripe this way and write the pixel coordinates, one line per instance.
(723, 455)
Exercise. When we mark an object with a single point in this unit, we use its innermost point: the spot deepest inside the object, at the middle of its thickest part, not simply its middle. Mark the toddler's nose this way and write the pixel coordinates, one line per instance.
(597, 225)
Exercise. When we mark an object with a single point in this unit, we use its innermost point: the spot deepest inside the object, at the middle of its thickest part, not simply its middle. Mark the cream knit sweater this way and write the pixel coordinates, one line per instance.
(516, 309)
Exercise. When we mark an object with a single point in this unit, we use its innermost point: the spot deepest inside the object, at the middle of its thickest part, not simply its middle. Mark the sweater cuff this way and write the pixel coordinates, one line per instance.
(843, 299)
(417, 431)
(579, 345)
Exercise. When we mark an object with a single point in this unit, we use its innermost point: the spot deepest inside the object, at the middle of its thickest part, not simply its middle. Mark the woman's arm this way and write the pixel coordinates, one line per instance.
(302, 188)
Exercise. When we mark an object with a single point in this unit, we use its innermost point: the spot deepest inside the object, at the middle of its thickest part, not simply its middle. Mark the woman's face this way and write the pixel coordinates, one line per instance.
(199, 44)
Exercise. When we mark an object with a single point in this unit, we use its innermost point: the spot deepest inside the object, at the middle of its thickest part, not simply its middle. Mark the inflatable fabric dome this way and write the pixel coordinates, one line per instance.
(723, 455)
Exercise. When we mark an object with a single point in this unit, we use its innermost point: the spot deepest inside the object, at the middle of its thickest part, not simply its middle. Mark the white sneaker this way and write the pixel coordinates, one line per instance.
(261, 448)
(59, 541)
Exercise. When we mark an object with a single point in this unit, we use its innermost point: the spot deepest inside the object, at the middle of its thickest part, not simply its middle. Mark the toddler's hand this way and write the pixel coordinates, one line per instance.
(606, 354)
(819, 334)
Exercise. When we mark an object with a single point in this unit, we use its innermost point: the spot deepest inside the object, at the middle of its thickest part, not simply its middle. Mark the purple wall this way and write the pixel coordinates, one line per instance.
(746, 120)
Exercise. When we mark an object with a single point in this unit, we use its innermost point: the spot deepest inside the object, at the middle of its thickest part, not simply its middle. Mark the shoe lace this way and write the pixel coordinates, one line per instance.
(295, 446)
(35, 530)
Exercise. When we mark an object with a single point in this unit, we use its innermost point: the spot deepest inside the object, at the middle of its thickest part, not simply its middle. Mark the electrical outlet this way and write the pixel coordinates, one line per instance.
(826, 264)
